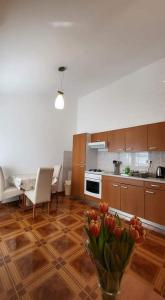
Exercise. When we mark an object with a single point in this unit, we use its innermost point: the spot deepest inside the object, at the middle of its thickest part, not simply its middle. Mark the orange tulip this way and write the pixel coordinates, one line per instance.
(135, 221)
(137, 232)
(110, 222)
(92, 214)
(94, 228)
(103, 207)
(118, 232)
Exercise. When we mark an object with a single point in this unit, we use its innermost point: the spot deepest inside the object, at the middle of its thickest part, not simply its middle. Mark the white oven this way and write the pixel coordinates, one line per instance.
(93, 184)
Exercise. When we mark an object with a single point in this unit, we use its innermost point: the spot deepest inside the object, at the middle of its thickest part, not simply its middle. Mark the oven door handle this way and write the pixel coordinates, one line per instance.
(94, 180)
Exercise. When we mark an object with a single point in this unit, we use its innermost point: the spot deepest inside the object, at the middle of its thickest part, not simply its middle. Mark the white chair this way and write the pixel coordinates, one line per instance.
(55, 181)
(7, 192)
(42, 190)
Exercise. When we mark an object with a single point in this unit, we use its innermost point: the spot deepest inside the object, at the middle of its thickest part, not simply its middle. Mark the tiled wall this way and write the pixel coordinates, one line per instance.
(136, 161)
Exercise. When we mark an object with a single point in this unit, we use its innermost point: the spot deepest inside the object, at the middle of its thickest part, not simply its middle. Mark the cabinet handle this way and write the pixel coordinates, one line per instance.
(155, 185)
(120, 149)
(124, 187)
(115, 185)
(152, 148)
(129, 148)
(149, 192)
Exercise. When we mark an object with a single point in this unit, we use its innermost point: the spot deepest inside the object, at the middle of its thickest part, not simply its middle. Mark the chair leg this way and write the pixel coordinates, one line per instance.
(34, 211)
(49, 205)
(24, 201)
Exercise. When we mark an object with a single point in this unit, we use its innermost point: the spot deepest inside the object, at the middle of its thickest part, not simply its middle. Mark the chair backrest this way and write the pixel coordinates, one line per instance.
(57, 170)
(2, 182)
(43, 185)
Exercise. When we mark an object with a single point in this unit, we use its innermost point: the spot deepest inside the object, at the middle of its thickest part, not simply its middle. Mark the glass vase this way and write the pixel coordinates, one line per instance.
(109, 296)
(109, 283)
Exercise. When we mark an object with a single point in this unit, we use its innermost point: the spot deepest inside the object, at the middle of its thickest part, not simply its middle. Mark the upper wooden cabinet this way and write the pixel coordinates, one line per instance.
(136, 138)
(99, 136)
(79, 149)
(156, 137)
(116, 140)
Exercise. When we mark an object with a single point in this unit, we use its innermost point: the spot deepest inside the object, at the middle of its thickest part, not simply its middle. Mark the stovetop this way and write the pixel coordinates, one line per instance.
(95, 170)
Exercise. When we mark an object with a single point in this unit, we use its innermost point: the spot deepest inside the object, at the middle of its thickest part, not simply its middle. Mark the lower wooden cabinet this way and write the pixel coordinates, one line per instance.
(155, 206)
(78, 181)
(135, 199)
(132, 199)
(111, 192)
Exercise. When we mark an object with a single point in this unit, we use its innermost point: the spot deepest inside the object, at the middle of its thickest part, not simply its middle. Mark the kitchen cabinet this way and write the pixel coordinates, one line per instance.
(145, 199)
(136, 138)
(155, 206)
(79, 149)
(78, 181)
(99, 137)
(154, 185)
(116, 140)
(111, 192)
(78, 164)
(156, 137)
(132, 199)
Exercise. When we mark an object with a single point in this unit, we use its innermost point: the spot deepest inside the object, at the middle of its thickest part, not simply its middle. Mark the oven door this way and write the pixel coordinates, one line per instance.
(92, 187)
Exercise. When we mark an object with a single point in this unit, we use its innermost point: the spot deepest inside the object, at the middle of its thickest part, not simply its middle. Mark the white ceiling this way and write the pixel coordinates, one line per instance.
(101, 41)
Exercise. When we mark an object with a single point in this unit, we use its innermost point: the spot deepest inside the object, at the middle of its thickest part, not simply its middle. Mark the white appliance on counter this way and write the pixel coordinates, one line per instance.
(93, 183)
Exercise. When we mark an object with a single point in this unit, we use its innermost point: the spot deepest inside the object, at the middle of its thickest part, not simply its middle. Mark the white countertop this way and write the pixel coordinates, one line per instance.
(153, 179)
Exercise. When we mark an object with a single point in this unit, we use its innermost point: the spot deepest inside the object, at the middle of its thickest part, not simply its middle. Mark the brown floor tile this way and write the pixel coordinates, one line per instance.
(80, 231)
(154, 247)
(9, 228)
(83, 265)
(144, 267)
(31, 262)
(37, 220)
(17, 242)
(47, 229)
(63, 243)
(68, 220)
(53, 288)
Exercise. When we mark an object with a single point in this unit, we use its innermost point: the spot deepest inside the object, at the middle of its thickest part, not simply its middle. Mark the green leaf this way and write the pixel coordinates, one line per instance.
(107, 256)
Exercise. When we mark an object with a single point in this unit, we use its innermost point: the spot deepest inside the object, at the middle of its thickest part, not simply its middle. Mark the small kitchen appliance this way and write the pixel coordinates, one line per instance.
(117, 164)
(160, 172)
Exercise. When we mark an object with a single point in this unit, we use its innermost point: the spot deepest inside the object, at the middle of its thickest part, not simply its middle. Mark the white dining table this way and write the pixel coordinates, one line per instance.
(23, 181)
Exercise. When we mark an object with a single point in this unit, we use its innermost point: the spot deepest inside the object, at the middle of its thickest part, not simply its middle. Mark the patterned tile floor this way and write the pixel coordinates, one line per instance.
(46, 259)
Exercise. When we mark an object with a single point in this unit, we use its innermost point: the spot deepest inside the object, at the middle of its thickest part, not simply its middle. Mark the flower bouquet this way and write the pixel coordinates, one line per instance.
(110, 246)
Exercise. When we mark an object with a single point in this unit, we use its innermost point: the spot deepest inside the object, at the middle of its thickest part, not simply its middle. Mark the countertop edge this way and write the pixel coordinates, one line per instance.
(150, 179)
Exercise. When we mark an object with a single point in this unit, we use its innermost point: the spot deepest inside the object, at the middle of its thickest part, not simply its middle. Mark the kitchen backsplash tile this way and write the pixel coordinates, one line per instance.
(136, 161)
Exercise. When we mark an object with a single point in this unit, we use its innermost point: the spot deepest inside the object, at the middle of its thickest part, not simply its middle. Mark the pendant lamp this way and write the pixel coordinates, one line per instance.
(59, 101)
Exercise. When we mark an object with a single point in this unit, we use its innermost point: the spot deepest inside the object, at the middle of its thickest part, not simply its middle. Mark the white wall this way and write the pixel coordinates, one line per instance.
(136, 99)
(33, 133)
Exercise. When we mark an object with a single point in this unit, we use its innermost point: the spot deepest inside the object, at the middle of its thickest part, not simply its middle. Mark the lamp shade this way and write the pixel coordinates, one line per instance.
(59, 101)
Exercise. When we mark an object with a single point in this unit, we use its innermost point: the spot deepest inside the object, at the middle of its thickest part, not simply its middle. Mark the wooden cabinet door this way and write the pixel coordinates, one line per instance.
(155, 206)
(116, 140)
(78, 181)
(156, 137)
(132, 200)
(99, 137)
(111, 192)
(136, 138)
(79, 148)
